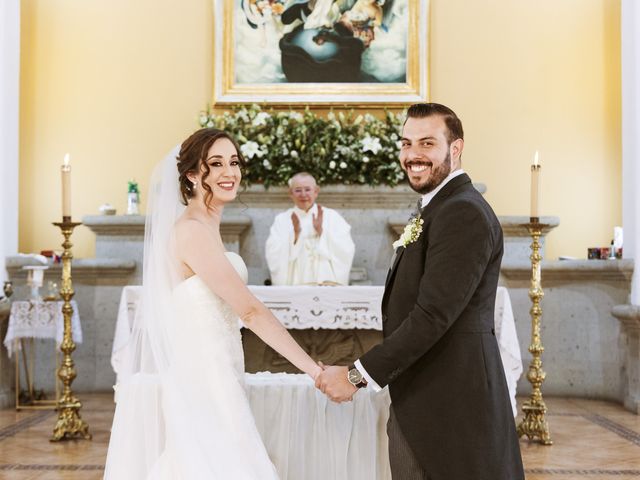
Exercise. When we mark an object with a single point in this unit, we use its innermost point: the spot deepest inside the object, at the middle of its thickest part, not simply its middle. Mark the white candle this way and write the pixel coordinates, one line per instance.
(66, 187)
(535, 185)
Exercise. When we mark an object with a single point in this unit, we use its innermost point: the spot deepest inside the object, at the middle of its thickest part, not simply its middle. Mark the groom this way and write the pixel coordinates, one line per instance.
(450, 415)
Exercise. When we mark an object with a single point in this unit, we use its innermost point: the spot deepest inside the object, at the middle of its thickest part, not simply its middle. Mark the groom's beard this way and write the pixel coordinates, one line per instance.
(438, 174)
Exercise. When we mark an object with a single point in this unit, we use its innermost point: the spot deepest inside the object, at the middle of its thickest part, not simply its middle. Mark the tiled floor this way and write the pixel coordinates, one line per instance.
(592, 440)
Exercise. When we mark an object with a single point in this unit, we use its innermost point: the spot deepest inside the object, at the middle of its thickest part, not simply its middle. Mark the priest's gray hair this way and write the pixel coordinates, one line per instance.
(301, 175)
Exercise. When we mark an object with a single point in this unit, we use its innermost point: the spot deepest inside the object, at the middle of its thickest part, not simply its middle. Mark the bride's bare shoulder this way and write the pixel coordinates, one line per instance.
(191, 230)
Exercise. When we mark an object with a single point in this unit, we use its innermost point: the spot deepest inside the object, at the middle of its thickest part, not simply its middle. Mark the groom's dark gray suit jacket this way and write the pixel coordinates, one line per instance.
(440, 356)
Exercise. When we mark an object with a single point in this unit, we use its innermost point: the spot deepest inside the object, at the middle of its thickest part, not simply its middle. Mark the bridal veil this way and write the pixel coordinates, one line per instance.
(138, 431)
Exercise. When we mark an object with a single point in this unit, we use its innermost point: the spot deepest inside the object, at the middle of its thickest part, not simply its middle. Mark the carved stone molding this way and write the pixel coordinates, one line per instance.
(572, 270)
(629, 316)
(83, 270)
(133, 225)
(337, 196)
(115, 225)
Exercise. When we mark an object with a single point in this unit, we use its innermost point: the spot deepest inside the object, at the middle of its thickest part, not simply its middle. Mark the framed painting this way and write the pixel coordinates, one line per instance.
(321, 52)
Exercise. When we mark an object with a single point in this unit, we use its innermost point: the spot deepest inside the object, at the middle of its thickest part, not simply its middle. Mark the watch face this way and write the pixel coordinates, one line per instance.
(355, 376)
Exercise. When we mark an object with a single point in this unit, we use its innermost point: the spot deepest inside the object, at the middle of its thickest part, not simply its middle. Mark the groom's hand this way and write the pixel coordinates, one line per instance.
(332, 381)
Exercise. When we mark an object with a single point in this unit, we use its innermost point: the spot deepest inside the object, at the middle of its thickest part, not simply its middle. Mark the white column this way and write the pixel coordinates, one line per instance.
(9, 118)
(630, 24)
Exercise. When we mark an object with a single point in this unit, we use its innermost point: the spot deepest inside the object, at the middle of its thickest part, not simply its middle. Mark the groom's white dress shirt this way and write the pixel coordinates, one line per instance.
(426, 198)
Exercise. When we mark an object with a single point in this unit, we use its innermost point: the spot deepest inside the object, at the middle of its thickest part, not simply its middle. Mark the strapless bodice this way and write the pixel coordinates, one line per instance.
(198, 411)
(237, 263)
(200, 308)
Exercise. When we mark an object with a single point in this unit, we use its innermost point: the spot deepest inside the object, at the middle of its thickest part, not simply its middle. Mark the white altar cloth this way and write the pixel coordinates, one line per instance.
(39, 320)
(303, 307)
(336, 307)
(309, 437)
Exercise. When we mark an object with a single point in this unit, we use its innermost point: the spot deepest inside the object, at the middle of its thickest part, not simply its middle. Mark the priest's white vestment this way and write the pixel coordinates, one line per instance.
(312, 259)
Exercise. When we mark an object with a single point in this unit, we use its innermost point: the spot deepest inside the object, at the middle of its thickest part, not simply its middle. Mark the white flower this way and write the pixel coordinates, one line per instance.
(203, 120)
(331, 116)
(358, 120)
(210, 123)
(365, 159)
(251, 149)
(260, 119)
(296, 116)
(343, 165)
(285, 122)
(371, 144)
(294, 154)
(267, 164)
(285, 150)
(411, 233)
(332, 164)
(399, 144)
(242, 115)
(394, 137)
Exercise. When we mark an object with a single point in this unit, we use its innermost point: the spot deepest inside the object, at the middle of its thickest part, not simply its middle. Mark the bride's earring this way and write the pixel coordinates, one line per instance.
(195, 184)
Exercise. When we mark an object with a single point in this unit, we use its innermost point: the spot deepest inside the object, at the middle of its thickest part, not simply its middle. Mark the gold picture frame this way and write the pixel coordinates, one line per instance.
(230, 89)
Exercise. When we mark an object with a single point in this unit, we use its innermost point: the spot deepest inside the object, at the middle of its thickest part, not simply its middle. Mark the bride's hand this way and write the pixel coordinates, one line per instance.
(318, 370)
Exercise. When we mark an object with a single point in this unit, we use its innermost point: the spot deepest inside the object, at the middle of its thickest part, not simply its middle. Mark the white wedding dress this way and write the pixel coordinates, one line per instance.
(207, 429)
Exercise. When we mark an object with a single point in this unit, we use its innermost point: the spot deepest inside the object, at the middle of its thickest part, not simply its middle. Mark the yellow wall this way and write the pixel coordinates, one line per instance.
(118, 83)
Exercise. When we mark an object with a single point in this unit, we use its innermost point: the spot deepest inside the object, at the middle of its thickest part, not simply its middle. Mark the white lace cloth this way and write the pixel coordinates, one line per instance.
(337, 308)
(505, 327)
(39, 320)
(294, 419)
(304, 307)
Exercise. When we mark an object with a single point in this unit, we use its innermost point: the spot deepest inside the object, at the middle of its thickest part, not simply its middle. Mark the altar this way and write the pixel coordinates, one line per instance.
(292, 416)
(339, 315)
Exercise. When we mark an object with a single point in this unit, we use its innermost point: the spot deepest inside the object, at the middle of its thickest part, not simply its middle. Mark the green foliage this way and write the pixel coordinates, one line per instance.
(343, 148)
(132, 187)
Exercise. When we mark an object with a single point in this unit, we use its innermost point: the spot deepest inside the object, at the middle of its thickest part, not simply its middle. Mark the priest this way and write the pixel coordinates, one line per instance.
(309, 244)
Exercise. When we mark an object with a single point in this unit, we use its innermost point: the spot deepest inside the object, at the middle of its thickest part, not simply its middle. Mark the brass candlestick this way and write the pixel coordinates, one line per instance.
(534, 425)
(69, 423)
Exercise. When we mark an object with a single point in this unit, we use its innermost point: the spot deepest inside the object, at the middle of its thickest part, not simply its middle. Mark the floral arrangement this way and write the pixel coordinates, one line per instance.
(341, 148)
(411, 232)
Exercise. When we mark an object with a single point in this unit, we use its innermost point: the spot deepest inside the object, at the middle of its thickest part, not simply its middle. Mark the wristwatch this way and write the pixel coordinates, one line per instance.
(355, 377)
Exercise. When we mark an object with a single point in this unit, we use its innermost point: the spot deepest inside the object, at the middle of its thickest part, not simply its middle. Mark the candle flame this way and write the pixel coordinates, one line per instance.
(535, 159)
(66, 160)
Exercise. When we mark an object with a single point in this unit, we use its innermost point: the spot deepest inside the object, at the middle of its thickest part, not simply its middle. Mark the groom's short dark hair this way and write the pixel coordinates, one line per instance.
(451, 120)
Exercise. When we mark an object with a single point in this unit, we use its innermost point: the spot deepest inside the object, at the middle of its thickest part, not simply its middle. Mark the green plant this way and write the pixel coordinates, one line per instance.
(341, 148)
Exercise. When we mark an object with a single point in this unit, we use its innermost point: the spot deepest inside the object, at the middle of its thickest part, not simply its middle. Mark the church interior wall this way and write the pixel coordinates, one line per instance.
(118, 84)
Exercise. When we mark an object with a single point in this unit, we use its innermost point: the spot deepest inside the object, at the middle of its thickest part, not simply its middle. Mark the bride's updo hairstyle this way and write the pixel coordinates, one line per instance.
(193, 158)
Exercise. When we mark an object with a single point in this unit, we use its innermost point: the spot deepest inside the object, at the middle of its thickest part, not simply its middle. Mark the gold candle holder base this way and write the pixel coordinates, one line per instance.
(69, 424)
(534, 424)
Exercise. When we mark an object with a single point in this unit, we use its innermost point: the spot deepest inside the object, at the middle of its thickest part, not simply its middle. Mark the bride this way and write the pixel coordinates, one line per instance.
(182, 411)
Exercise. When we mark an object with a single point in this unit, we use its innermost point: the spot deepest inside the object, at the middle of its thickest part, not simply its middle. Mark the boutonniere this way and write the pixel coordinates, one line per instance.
(411, 233)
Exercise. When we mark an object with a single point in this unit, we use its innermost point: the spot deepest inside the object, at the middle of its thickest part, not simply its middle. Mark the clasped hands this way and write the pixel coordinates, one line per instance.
(317, 220)
(333, 382)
